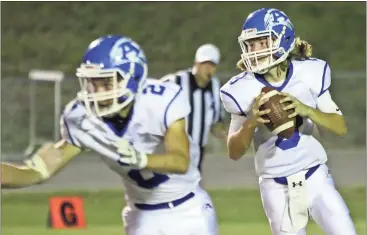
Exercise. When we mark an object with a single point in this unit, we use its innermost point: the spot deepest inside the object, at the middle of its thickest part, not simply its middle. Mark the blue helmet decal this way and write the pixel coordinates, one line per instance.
(114, 51)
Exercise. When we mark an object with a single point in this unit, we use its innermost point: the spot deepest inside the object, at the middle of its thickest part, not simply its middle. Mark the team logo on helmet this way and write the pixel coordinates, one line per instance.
(126, 51)
(275, 17)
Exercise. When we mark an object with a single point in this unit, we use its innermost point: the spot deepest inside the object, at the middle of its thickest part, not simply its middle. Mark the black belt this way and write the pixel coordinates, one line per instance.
(165, 205)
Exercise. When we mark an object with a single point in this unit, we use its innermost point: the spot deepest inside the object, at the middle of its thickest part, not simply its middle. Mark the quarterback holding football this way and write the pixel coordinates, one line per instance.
(275, 102)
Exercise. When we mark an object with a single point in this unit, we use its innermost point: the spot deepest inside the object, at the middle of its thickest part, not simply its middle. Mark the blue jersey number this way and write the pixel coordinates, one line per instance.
(155, 89)
(153, 182)
(135, 175)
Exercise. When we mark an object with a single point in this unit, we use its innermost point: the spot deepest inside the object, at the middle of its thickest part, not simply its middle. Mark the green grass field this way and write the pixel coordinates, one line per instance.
(239, 212)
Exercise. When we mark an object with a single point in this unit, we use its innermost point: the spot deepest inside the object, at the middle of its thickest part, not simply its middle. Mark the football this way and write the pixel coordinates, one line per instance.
(279, 124)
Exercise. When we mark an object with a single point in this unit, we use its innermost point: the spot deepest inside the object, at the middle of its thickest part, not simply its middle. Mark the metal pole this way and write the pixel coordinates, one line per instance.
(32, 118)
(44, 75)
(57, 107)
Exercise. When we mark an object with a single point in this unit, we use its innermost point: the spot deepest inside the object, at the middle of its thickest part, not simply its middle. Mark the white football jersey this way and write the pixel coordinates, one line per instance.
(159, 105)
(306, 80)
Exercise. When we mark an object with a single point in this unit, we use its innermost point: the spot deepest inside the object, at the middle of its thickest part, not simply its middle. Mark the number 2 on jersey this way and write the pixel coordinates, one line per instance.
(135, 175)
(150, 183)
(155, 89)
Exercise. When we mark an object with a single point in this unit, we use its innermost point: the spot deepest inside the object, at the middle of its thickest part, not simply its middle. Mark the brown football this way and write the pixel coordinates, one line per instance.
(279, 123)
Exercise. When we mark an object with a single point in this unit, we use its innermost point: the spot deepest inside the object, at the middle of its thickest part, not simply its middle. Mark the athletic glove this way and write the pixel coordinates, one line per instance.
(129, 155)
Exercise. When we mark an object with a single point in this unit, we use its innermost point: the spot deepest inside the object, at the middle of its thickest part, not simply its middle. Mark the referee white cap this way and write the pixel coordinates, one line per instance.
(207, 52)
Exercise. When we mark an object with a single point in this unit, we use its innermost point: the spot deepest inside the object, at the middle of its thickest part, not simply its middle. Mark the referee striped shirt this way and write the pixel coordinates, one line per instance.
(206, 107)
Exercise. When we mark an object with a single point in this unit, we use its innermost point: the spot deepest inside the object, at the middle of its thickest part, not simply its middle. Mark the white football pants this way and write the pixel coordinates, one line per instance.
(326, 207)
(192, 217)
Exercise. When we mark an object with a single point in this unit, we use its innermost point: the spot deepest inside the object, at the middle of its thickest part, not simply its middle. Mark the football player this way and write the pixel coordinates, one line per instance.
(126, 118)
(294, 179)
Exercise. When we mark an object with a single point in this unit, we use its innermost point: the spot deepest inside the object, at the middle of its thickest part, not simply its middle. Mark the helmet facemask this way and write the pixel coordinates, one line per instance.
(261, 61)
(114, 96)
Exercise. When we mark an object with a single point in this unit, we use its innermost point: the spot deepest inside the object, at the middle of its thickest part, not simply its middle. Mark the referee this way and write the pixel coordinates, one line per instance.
(201, 87)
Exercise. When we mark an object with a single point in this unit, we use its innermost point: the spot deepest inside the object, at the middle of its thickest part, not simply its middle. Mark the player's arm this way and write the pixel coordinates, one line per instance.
(332, 122)
(328, 115)
(176, 158)
(49, 159)
(241, 131)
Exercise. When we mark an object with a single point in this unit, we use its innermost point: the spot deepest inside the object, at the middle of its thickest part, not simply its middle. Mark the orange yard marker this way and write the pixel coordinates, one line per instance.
(66, 212)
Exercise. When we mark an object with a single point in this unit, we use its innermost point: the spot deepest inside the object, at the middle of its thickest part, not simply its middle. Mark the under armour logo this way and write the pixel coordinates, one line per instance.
(294, 184)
